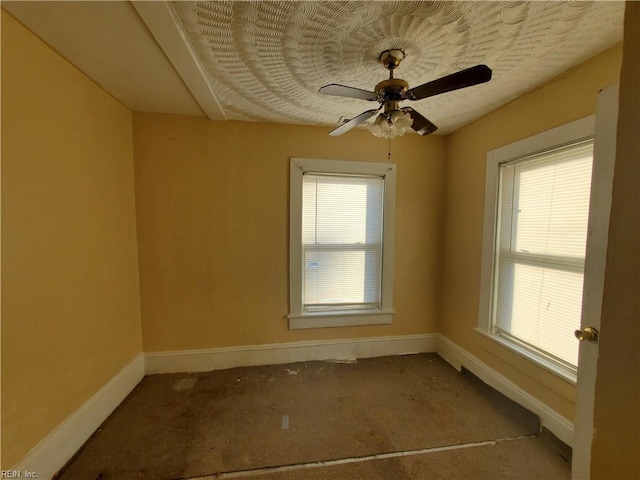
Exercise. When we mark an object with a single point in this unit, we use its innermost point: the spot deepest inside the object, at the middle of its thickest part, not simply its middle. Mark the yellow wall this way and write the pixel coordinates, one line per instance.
(213, 214)
(568, 98)
(70, 296)
(616, 446)
(212, 225)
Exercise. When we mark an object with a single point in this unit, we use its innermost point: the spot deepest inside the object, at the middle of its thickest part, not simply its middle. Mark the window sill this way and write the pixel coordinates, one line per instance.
(545, 363)
(340, 319)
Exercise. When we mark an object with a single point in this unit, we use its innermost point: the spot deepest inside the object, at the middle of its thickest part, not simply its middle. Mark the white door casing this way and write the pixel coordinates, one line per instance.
(595, 259)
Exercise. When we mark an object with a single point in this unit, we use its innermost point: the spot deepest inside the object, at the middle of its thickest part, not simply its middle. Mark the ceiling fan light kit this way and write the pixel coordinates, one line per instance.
(395, 121)
(391, 125)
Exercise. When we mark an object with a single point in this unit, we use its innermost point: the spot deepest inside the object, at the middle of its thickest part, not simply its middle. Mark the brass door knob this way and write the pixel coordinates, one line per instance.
(587, 334)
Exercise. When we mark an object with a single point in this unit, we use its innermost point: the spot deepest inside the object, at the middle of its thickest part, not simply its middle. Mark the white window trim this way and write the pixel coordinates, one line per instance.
(297, 317)
(573, 132)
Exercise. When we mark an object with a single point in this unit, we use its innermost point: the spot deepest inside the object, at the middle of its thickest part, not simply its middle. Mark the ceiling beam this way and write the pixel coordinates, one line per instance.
(164, 27)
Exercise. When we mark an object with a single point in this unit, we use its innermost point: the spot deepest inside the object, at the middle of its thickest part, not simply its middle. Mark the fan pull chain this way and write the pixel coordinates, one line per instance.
(389, 149)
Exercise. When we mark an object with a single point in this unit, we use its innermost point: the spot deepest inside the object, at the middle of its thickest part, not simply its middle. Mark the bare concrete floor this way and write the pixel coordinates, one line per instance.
(407, 417)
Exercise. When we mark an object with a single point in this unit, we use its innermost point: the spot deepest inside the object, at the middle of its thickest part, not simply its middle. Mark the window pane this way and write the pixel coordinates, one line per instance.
(553, 208)
(342, 241)
(334, 277)
(541, 307)
(342, 210)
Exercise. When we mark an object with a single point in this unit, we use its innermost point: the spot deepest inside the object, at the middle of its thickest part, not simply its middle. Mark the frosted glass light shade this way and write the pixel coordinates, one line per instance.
(391, 126)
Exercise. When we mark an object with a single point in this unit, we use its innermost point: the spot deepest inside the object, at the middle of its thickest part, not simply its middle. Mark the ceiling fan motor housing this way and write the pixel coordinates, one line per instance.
(391, 92)
(392, 89)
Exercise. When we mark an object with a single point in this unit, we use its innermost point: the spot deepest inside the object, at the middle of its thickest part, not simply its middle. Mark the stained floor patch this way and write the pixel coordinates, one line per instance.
(184, 384)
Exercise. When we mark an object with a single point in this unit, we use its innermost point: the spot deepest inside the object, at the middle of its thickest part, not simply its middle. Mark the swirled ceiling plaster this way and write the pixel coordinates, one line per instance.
(266, 60)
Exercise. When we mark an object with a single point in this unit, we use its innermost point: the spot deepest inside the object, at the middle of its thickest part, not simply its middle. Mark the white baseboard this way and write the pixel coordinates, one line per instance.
(458, 357)
(53, 451)
(278, 353)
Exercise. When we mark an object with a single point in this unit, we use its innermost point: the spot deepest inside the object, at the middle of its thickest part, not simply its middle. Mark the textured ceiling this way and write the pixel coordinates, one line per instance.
(266, 60)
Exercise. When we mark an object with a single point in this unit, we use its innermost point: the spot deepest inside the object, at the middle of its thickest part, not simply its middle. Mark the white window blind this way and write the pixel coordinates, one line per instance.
(342, 241)
(543, 207)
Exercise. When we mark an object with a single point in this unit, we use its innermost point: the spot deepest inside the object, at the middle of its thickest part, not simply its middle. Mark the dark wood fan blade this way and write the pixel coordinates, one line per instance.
(464, 78)
(420, 124)
(354, 122)
(351, 92)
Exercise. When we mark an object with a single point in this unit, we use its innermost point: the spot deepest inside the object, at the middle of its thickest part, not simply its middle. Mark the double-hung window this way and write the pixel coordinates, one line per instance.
(341, 243)
(537, 237)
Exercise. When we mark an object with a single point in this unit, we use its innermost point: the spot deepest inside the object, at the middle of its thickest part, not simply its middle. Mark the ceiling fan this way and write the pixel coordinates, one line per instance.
(395, 121)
